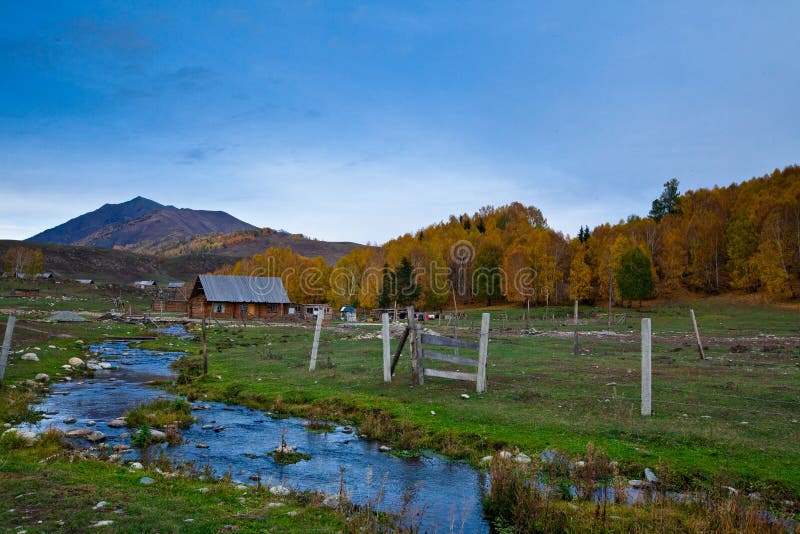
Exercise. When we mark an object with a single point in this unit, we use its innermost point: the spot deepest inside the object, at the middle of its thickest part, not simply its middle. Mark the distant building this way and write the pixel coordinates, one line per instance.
(86, 281)
(145, 284)
(312, 310)
(234, 297)
(348, 314)
(176, 285)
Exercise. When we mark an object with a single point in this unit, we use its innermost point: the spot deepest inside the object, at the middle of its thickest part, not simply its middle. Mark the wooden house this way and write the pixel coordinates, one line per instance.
(235, 297)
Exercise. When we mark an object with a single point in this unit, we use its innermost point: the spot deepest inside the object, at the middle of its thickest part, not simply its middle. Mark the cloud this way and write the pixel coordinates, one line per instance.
(199, 153)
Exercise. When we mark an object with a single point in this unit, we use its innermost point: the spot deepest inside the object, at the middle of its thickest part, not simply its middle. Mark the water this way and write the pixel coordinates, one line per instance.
(446, 493)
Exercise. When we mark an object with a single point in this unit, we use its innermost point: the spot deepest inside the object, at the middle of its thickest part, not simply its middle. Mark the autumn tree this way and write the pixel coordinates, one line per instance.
(580, 276)
(21, 260)
(634, 275)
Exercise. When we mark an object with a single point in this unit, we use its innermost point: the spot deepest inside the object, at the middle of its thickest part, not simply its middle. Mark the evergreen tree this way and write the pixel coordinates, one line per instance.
(481, 227)
(407, 288)
(486, 277)
(386, 295)
(635, 275)
(669, 203)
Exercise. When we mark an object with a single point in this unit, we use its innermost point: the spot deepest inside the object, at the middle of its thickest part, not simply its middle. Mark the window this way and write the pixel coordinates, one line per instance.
(219, 308)
(272, 308)
(243, 308)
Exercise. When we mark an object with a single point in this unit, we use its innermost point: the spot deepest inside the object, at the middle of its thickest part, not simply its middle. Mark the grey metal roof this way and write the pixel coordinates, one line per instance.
(145, 283)
(226, 288)
(176, 284)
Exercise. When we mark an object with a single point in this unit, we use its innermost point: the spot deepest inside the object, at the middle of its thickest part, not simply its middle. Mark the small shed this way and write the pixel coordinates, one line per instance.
(234, 297)
(85, 281)
(348, 314)
(145, 284)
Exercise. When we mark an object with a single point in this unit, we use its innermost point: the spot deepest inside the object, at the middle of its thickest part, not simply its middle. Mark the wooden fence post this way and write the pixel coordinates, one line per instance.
(315, 345)
(483, 352)
(697, 336)
(417, 372)
(6, 345)
(387, 349)
(575, 346)
(646, 368)
(205, 351)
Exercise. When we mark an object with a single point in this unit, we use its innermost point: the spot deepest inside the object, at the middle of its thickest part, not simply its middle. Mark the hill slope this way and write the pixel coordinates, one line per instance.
(84, 225)
(118, 266)
(162, 227)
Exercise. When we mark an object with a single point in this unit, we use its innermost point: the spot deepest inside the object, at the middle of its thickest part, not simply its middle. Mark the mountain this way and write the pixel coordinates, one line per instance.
(139, 224)
(84, 225)
(237, 245)
(162, 227)
(144, 226)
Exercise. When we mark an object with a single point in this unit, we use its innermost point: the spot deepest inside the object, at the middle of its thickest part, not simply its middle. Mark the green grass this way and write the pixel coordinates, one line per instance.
(541, 396)
(60, 495)
(160, 413)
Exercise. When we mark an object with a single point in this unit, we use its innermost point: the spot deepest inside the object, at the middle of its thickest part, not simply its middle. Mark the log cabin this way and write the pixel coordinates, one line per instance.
(236, 297)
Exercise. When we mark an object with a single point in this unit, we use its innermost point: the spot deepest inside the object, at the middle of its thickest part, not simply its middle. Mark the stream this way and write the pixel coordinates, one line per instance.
(446, 494)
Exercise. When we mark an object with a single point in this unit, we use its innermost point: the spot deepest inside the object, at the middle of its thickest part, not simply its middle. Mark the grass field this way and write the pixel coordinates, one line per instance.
(729, 420)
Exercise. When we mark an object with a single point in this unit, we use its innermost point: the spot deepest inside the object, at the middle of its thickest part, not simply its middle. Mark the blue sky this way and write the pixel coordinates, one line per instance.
(363, 120)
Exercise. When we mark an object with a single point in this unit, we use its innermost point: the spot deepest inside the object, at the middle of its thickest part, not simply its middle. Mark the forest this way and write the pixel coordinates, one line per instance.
(744, 238)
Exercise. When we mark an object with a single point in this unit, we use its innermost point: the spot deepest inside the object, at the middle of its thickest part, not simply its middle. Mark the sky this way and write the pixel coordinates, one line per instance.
(361, 121)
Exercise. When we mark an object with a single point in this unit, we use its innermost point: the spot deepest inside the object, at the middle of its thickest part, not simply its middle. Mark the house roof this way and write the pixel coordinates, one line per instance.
(176, 284)
(226, 288)
(144, 283)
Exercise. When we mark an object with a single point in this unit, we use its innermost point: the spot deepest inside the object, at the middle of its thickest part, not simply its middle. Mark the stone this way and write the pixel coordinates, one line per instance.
(486, 460)
(201, 446)
(67, 367)
(136, 465)
(146, 481)
(117, 423)
(99, 505)
(347, 430)
(76, 362)
(384, 448)
(635, 483)
(280, 491)
(203, 490)
(522, 458)
(90, 423)
(464, 396)
(42, 377)
(208, 427)
(331, 501)
(275, 505)
(103, 523)
(433, 412)
(105, 365)
(92, 366)
(96, 436)
(504, 454)
(240, 487)
(29, 438)
(30, 357)
(78, 433)
(220, 428)
(649, 475)
(125, 435)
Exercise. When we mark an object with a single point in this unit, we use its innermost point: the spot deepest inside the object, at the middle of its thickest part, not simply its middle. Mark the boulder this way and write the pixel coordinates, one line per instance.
(42, 377)
(280, 491)
(105, 365)
(76, 362)
(117, 423)
(29, 438)
(78, 432)
(96, 436)
(146, 481)
(30, 357)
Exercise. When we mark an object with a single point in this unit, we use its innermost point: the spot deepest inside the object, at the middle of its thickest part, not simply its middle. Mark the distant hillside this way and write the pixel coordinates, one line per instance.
(81, 227)
(247, 243)
(147, 227)
(119, 266)
(162, 228)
